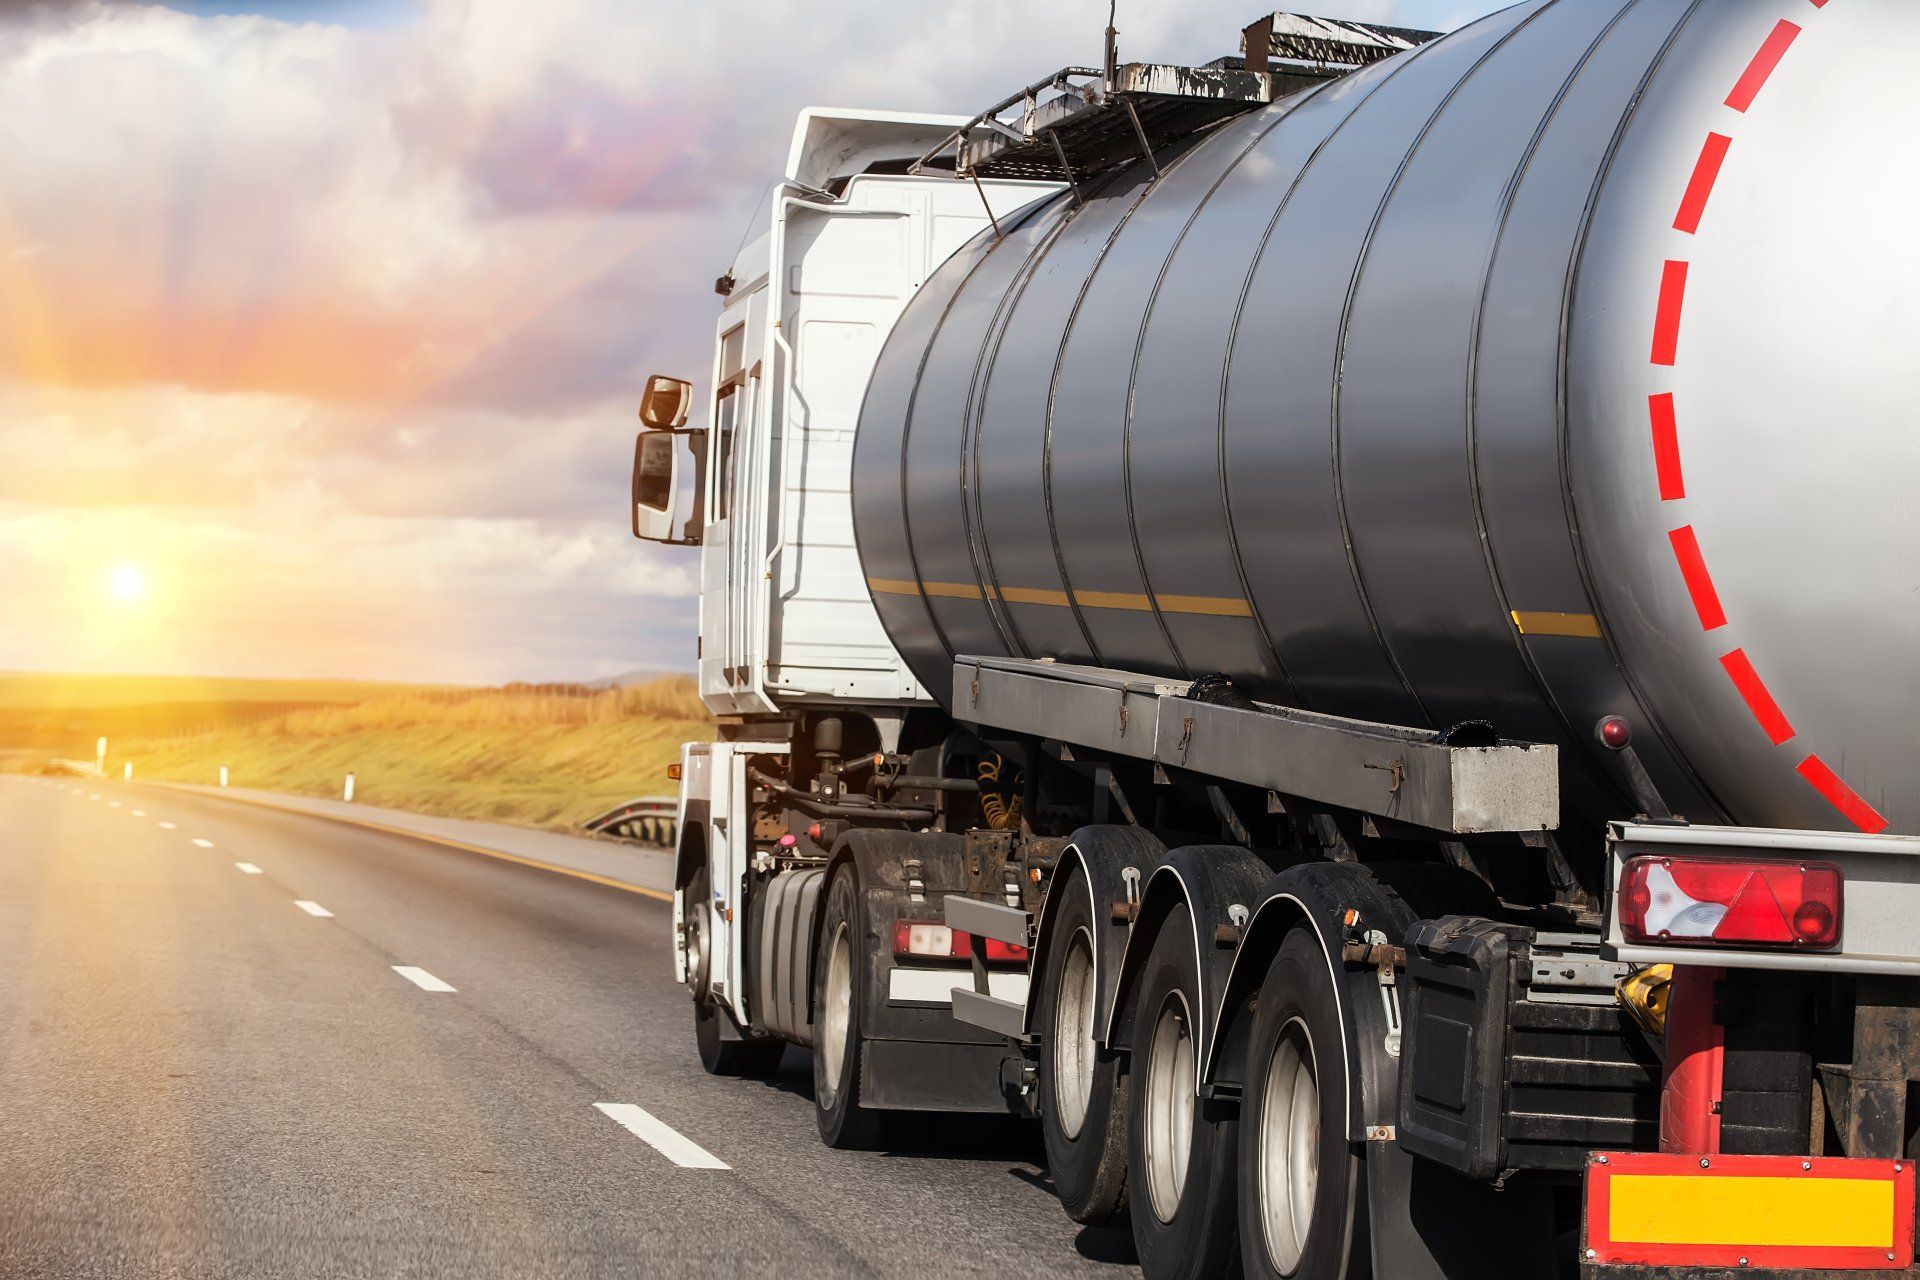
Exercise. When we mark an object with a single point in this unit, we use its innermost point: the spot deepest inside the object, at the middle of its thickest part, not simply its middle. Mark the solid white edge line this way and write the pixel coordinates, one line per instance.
(421, 978)
(661, 1136)
(248, 867)
(312, 908)
(204, 844)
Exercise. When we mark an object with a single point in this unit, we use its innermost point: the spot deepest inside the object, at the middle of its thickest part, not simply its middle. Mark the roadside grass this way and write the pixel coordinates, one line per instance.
(547, 756)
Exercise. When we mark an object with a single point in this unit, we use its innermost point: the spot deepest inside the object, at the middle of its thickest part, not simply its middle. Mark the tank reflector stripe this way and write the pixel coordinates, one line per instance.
(1206, 606)
(1693, 568)
(1666, 321)
(1133, 602)
(1706, 171)
(1581, 625)
(1740, 670)
(1666, 447)
(1841, 796)
(1754, 79)
(950, 590)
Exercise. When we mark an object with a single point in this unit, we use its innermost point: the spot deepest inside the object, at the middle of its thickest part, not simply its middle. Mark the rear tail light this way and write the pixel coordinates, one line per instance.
(932, 941)
(1723, 902)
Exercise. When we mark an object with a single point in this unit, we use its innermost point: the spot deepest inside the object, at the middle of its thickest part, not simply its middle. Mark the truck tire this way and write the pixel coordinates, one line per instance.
(839, 988)
(1301, 1213)
(1181, 1165)
(719, 1054)
(1083, 1089)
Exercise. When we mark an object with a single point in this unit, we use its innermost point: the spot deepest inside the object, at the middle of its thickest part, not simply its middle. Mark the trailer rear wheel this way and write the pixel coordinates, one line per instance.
(1300, 1210)
(839, 987)
(1181, 1167)
(1083, 1090)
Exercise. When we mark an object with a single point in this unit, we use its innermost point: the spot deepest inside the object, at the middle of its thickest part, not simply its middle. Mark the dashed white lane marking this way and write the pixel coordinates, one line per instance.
(139, 813)
(312, 908)
(168, 826)
(204, 844)
(248, 867)
(661, 1136)
(113, 804)
(94, 796)
(421, 978)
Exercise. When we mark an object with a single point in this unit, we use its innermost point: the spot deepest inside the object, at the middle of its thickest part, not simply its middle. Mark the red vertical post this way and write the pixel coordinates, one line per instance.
(1696, 1059)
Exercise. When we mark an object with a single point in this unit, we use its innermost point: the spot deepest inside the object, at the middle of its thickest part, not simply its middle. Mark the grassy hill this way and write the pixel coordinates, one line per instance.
(547, 755)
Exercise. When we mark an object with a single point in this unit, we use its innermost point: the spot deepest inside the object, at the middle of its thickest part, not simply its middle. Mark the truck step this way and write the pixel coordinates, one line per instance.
(1003, 1017)
(989, 919)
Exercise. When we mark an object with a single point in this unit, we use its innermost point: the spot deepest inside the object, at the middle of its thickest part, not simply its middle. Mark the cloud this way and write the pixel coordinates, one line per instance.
(349, 321)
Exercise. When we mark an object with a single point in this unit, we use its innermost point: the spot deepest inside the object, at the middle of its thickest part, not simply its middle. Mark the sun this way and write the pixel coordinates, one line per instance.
(127, 582)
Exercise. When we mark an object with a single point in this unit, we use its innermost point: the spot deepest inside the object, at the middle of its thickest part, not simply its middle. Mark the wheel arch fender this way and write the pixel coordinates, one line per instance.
(1319, 896)
(690, 856)
(1094, 864)
(1206, 882)
(691, 848)
(883, 886)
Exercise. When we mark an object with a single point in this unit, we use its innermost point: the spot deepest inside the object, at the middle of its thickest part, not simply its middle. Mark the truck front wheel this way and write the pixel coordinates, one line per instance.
(1083, 1090)
(1180, 1165)
(723, 1050)
(1300, 1204)
(839, 987)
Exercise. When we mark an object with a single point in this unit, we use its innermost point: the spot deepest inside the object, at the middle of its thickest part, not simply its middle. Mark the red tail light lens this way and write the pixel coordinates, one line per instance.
(930, 940)
(1724, 902)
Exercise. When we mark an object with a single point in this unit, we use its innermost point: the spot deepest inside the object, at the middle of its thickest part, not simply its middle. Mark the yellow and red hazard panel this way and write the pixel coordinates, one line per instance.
(1755, 1212)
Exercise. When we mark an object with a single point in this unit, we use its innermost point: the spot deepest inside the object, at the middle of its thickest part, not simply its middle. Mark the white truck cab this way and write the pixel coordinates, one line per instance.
(763, 485)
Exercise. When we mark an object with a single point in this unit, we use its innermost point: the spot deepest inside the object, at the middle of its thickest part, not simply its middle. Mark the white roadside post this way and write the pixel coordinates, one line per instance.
(223, 775)
(347, 794)
(100, 756)
(126, 771)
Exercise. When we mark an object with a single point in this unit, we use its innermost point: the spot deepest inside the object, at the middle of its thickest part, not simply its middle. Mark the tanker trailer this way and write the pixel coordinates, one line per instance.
(1402, 588)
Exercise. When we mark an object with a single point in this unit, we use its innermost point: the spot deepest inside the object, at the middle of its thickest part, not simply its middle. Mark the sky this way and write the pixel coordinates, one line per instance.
(323, 322)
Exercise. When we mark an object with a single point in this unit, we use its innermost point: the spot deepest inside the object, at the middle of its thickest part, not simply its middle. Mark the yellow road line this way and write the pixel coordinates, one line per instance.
(450, 843)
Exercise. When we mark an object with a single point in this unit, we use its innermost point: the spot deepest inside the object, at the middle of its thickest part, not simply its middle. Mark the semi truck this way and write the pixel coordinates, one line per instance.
(1338, 629)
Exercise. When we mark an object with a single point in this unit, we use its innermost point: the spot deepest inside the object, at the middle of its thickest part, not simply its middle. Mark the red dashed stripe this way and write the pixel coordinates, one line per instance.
(1841, 796)
(1666, 321)
(1666, 441)
(1706, 171)
(1693, 568)
(1666, 447)
(1740, 670)
(1761, 68)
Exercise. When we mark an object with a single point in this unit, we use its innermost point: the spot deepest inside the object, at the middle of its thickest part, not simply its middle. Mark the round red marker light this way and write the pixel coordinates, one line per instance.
(1615, 733)
(1813, 921)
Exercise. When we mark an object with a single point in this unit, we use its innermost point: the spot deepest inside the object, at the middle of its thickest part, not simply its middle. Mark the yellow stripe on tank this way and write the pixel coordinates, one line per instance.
(1582, 626)
(1205, 606)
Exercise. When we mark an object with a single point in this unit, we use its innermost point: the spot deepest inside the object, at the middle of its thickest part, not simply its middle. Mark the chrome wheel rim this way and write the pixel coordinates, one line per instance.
(1169, 1119)
(697, 949)
(837, 1012)
(1072, 1047)
(1289, 1146)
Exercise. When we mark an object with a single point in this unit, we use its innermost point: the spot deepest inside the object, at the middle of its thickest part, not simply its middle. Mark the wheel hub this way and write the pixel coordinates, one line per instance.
(1170, 1106)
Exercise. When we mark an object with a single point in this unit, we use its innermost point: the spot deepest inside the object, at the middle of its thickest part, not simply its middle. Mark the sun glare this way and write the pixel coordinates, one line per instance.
(128, 582)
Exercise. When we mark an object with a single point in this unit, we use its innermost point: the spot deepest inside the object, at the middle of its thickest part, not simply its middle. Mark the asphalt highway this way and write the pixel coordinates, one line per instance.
(237, 1042)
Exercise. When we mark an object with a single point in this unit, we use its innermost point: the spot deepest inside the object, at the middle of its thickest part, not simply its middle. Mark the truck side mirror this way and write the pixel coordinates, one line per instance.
(656, 477)
(666, 402)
